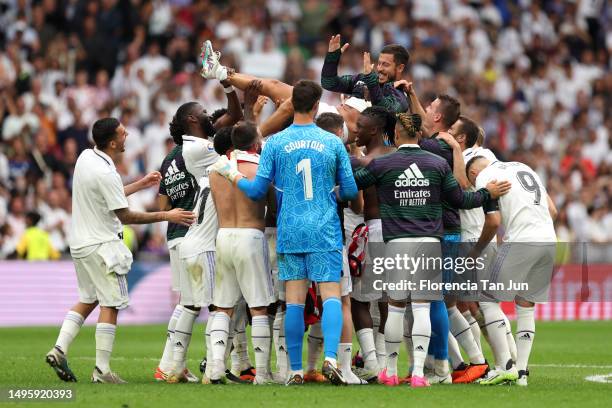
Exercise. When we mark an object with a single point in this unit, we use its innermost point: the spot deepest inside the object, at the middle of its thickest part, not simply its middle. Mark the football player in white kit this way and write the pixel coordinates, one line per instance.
(525, 256)
(101, 259)
(242, 258)
(197, 250)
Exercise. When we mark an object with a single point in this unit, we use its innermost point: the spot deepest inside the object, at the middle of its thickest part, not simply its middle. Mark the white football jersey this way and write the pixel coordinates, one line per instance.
(199, 154)
(473, 220)
(202, 234)
(524, 210)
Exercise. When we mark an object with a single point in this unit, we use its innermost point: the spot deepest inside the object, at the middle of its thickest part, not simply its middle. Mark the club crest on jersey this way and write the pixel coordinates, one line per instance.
(412, 177)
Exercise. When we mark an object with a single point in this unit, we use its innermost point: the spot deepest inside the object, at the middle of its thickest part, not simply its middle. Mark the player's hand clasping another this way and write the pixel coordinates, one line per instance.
(498, 188)
(227, 168)
(180, 216)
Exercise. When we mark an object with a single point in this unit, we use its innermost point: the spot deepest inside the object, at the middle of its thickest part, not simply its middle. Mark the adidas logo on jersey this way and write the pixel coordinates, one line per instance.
(173, 173)
(412, 177)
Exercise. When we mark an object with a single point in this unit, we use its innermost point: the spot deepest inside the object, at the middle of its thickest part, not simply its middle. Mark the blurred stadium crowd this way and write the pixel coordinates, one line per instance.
(535, 74)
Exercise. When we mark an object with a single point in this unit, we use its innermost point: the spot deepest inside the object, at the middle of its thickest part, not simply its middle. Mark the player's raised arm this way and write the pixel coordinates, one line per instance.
(329, 73)
(344, 175)
(234, 110)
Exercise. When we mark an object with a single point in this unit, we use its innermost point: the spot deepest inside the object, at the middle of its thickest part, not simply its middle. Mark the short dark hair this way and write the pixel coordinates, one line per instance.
(34, 217)
(178, 125)
(470, 129)
(330, 121)
(383, 118)
(223, 140)
(400, 53)
(103, 131)
(244, 135)
(450, 109)
(471, 162)
(305, 95)
(217, 114)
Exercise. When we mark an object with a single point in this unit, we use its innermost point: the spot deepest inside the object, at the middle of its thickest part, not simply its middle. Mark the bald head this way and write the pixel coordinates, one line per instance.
(474, 166)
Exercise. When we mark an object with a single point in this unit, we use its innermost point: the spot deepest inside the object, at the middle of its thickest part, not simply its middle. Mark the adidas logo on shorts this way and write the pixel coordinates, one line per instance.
(412, 177)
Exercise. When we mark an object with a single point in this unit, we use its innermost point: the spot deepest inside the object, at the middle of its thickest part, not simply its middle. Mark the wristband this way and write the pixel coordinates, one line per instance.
(229, 89)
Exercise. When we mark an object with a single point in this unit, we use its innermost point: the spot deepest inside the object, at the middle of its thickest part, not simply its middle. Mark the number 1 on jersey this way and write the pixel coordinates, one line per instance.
(304, 166)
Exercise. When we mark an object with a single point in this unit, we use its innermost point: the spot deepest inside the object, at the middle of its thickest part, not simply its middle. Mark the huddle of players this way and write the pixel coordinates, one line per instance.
(225, 257)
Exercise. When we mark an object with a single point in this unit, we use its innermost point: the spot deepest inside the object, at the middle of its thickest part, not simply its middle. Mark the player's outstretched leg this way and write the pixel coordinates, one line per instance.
(315, 348)
(57, 356)
(166, 362)
(105, 339)
(213, 69)
(439, 343)
(394, 330)
(461, 331)
(421, 333)
(525, 333)
(345, 348)
(496, 329)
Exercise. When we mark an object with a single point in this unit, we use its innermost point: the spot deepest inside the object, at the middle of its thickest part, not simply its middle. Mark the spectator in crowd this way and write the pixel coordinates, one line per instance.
(35, 243)
(535, 74)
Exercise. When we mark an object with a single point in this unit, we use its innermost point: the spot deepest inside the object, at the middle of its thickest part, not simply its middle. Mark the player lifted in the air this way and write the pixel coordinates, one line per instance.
(305, 163)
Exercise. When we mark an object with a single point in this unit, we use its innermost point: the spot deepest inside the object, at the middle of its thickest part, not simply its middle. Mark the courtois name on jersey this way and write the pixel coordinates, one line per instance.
(524, 210)
(305, 163)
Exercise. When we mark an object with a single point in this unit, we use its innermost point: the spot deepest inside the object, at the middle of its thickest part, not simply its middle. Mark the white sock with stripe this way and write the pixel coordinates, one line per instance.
(496, 329)
(421, 333)
(394, 329)
(105, 338)
(474, 327)
(209, 355)
(525, 333)
(69, 330)
(165, 364)
(315, 345)
(368, 349)
(462, 332)
(182, 338)
(260, 336)
(219, 334)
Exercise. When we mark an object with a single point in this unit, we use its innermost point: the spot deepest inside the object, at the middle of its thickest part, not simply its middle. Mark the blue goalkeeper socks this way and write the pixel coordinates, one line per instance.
(331, 323)
(438, 346)
(294, 334)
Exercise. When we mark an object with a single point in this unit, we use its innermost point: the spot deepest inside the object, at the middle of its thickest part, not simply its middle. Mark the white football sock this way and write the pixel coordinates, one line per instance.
(105, 338)
(182, 338)
(421, 333)
(279, 343)
(315, 345)
(240, 351)
(271, 346)
(460, 329)
(165, 364)
(260, 335)
(69, 330)
(474, 327)
(394, 329)
(408, 321)
(441, 368)
(219, 336)
(510, 339)
(345, 351)
(209, 355)
(454, 354)
(525, 333)
(368, 349)
(496, 329)
(381, 353)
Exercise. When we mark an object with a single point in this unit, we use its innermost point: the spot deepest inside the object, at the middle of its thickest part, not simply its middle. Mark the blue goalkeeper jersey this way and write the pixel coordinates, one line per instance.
(305, 163)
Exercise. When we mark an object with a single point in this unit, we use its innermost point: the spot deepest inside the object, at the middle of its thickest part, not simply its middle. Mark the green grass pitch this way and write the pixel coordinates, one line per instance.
(564, 354)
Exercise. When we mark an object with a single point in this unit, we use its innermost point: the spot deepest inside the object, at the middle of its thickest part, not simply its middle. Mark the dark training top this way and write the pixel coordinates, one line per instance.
(178, 184)
(381, 95)
(411, 185)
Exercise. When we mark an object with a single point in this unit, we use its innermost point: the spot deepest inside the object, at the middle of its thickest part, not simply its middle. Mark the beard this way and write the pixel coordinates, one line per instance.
(206, 125)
